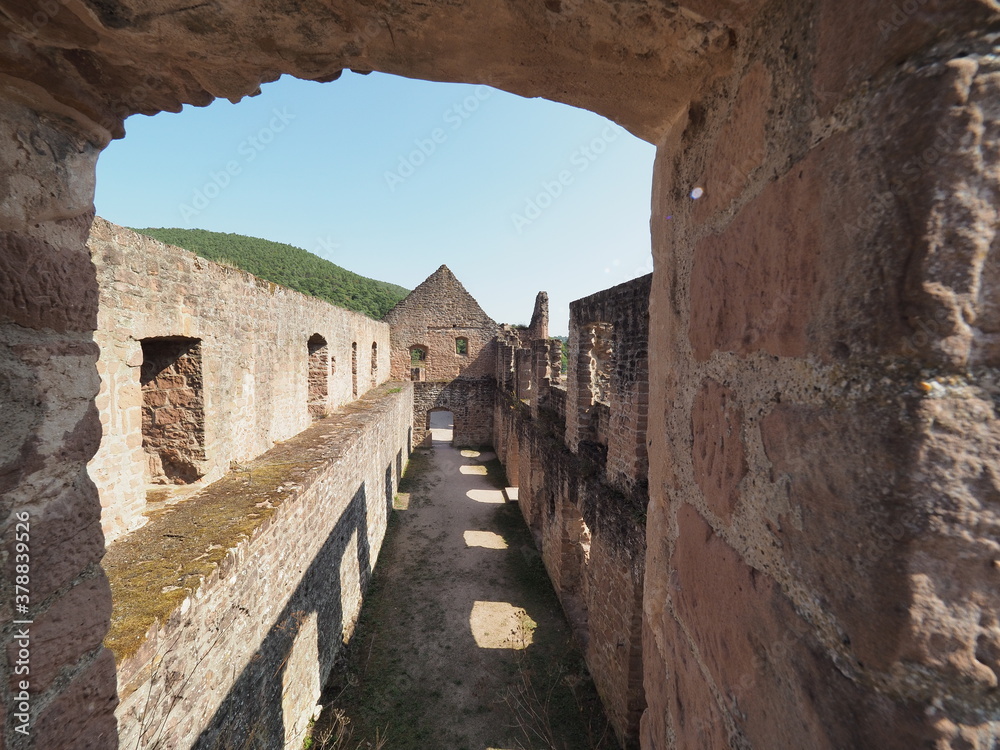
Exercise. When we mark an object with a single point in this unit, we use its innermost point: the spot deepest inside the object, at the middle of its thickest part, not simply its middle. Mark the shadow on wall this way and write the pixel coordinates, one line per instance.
(252, 714)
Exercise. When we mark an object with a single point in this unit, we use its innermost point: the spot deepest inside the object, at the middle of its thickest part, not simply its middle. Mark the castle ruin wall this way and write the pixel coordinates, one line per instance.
(240, 654)
(821, 561)
(269, 361)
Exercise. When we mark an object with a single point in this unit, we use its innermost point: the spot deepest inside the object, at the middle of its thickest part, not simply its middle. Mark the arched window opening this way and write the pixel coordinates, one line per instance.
(462, 346)
(319, 384)
(374, 364)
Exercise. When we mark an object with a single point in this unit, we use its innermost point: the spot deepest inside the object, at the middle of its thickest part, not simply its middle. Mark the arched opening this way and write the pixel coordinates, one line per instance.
(462, 346)
(374, 364)
(319, 384)
(441, 426)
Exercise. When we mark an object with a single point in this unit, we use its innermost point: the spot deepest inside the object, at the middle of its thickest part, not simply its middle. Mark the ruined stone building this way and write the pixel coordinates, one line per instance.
(444, 342)
(772, 517)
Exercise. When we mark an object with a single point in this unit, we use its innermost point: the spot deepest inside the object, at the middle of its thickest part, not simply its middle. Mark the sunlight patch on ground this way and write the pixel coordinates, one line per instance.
(475, 469)
(470, 453)
(492, 497)
(501, 625)
(442, 435)
(511, 493)
(486, 539)
(401, 501)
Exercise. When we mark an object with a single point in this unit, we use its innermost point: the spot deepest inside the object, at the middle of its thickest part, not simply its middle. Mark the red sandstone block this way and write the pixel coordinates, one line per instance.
(153, 398)
(816, 452)
(168, 416)
(740, 145)
(882, 34)
(73, 625)
(717, 447)
(846, 254)
(166, 381)
(185, 398)
(47, 286)
(66, 538)
(82, 716)
(780, 687)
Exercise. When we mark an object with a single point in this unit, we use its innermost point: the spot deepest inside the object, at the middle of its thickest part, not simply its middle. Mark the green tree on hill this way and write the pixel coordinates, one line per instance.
(289, 266)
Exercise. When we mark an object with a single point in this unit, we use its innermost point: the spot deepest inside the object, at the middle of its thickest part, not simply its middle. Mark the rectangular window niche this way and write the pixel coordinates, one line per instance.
(173, 410)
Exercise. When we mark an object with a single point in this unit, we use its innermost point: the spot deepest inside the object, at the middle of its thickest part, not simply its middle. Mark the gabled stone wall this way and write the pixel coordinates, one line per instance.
(433, 317)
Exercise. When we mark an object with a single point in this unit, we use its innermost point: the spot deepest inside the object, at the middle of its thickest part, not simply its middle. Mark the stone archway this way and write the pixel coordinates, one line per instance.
(835, 280)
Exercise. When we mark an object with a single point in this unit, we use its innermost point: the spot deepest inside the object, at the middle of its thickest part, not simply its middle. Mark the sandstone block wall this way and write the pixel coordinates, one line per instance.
(582, 481)
(49, 429)
(608, 383)
(592, 541)
(471, 403)
(432, 318)
(270, 360)
(822, 527)
(243, 652)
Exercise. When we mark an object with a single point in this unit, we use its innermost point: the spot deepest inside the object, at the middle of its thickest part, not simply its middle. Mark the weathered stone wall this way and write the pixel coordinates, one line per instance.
(470, 402)
(592, 540)
(433, 317)
(836, 283)
(581, 482)
(244, 646)
(49, 428)
(823, 527)
(608, 380)
(258, 381)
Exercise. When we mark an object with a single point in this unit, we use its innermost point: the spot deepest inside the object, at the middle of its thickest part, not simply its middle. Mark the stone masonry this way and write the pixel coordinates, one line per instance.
(577, 456)
(821, 543)
(203, 365)
(444, 342)
(253, 621)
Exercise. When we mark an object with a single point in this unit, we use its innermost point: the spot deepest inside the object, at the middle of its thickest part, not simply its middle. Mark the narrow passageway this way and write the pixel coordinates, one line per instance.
(461, 643)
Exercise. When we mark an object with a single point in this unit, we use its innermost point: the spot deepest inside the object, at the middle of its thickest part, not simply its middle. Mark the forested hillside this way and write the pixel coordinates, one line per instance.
(289, 266)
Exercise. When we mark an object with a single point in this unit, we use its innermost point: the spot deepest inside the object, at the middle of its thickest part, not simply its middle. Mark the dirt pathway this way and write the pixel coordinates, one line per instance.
(461, 644)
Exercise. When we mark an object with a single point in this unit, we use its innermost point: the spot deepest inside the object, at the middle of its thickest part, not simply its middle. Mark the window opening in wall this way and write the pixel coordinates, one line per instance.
(374, 364)
(389, 491)
(601, 361)
(461, 346)
(354, 369)
(319, 387)
(418, 358)
(173, 409)
(441, 424)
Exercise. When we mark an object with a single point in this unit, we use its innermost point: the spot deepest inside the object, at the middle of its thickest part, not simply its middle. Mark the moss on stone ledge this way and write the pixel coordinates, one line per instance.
(155, 568)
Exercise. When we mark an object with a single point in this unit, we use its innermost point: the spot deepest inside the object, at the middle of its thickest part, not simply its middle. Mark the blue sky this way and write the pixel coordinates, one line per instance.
(391, 177)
